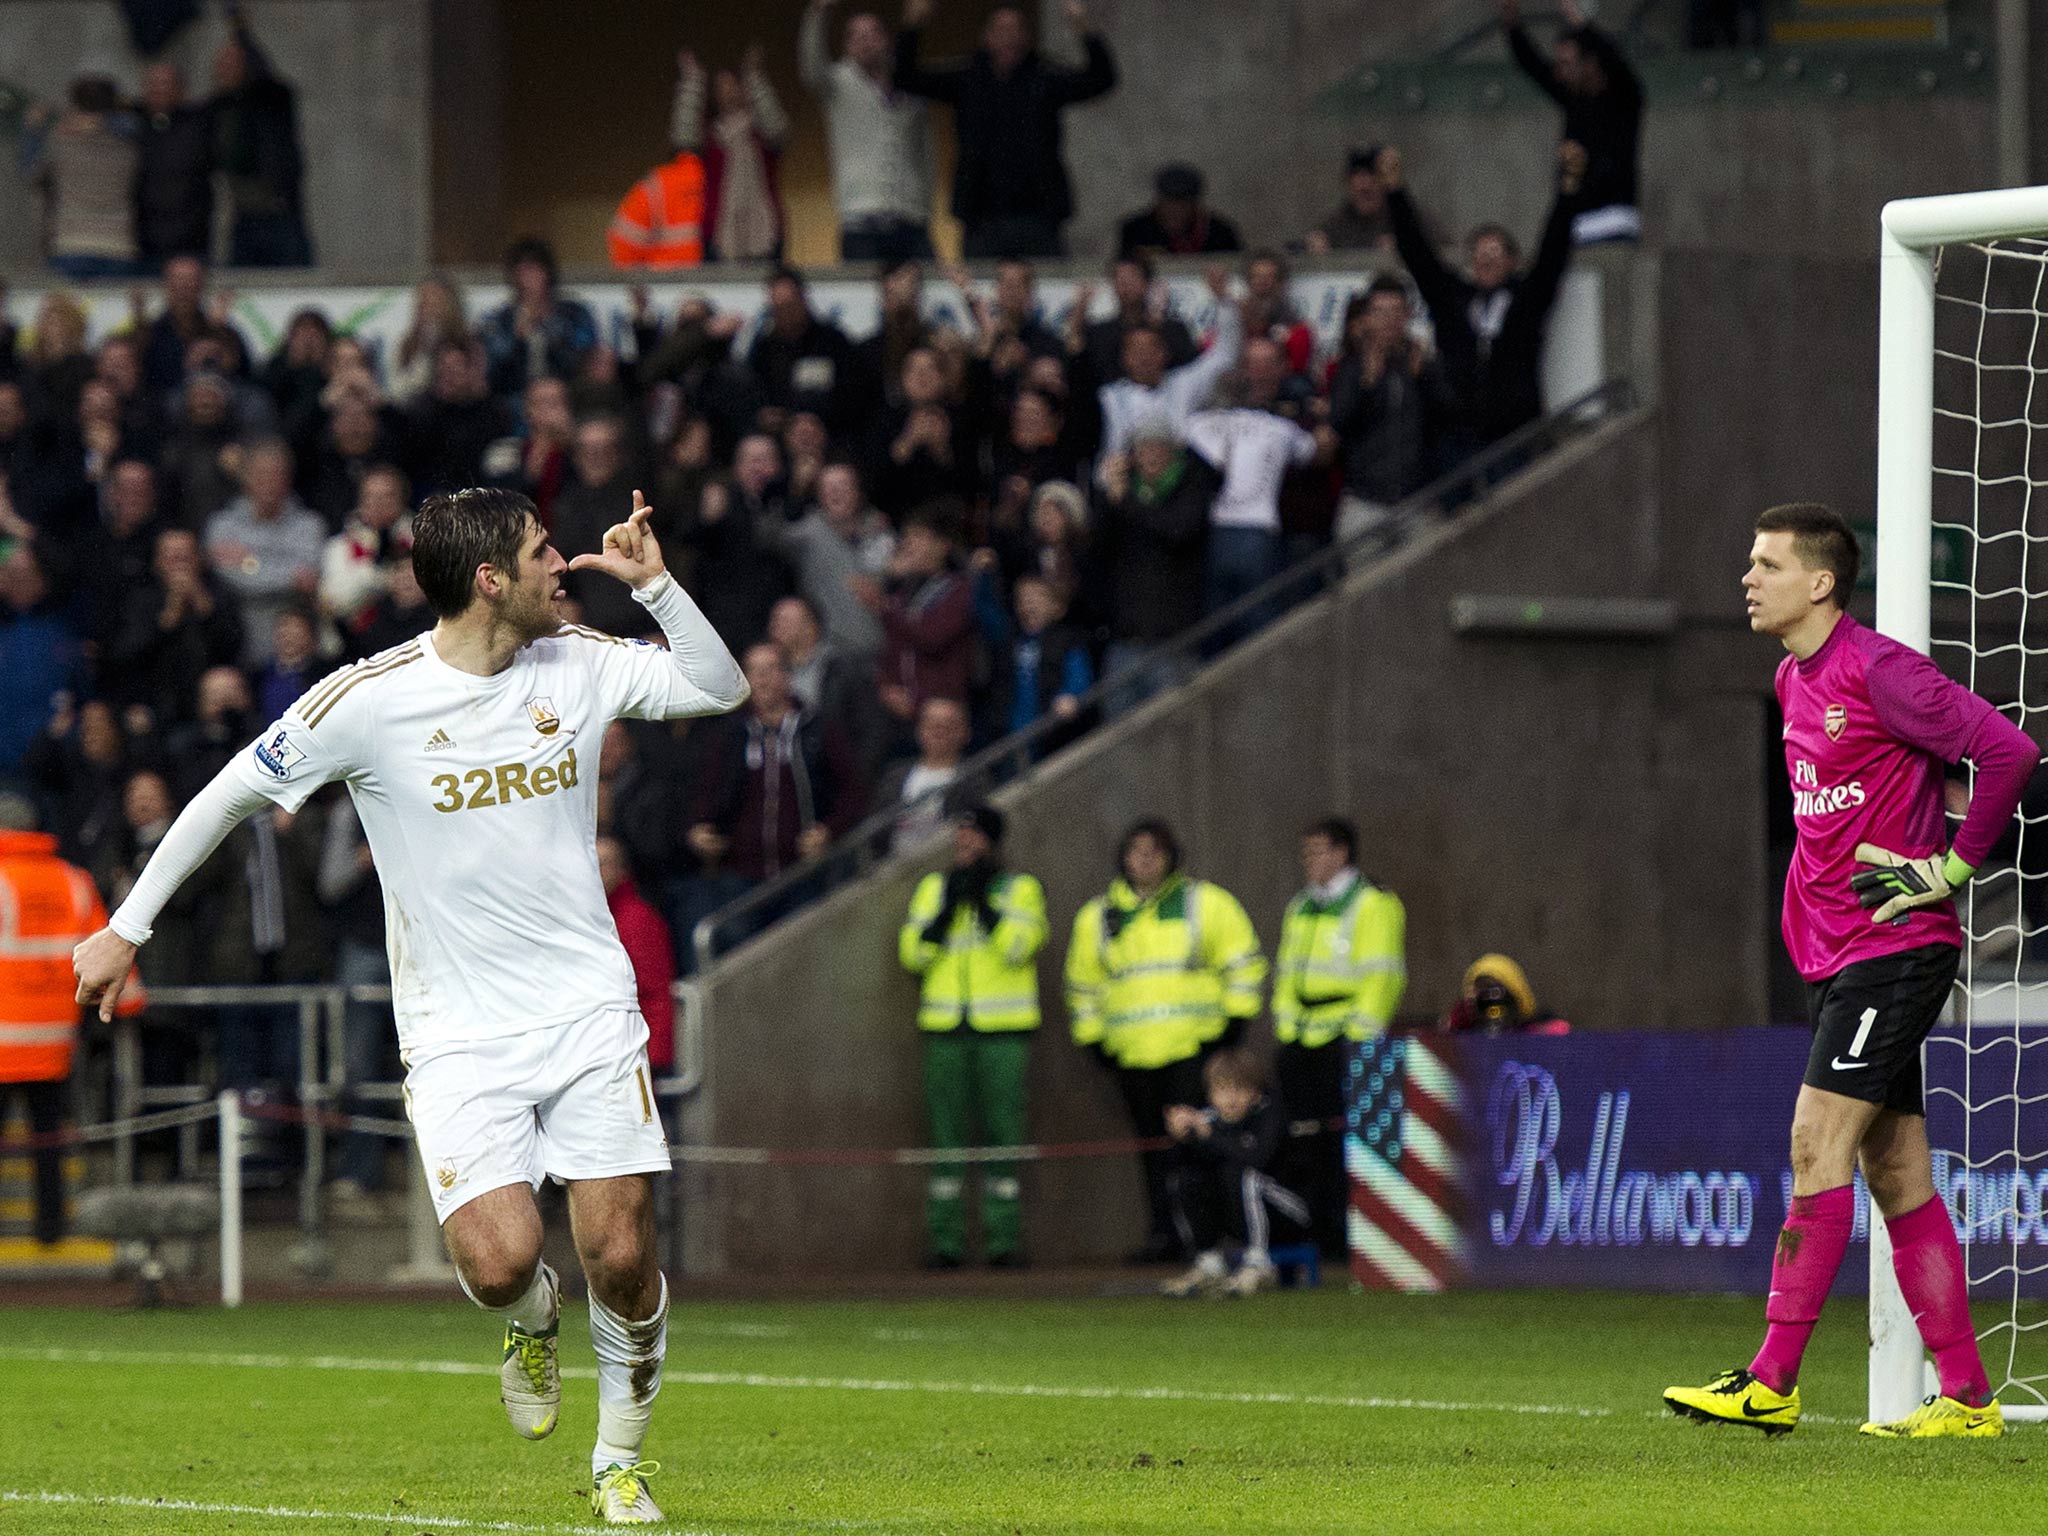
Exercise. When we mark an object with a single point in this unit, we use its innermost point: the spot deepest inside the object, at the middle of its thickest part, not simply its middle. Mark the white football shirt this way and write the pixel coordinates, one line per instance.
(479, 799)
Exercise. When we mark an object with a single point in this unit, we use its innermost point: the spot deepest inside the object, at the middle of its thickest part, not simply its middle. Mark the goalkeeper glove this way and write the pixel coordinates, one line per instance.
(1895, 884)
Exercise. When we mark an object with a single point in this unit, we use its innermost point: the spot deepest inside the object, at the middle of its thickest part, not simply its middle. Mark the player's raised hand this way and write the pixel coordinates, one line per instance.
(103, 964)
(1895, 884)
(630, 552)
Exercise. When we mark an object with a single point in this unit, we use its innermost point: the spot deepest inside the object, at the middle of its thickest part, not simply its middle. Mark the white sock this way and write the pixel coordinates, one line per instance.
(536, 1308)
(629, 1357)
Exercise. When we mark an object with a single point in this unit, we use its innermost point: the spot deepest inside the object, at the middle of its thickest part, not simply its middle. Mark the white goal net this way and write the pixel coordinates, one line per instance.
(1984, 295)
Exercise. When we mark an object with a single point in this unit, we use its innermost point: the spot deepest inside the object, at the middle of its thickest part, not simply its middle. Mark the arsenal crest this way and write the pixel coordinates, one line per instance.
(1836, 721)
(547, 722)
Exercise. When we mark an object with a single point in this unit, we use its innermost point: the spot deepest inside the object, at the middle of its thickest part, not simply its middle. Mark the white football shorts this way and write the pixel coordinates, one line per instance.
(574, 1101)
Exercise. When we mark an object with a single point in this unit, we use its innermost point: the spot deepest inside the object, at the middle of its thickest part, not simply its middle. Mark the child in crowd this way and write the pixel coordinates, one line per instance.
(1226, 1202)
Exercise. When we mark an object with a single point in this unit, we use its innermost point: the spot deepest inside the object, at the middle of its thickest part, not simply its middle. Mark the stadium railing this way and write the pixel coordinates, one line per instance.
(869, 844)
(319, 1011)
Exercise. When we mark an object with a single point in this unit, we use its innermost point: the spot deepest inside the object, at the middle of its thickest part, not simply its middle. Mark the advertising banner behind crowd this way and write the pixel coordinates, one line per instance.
(1657, 1161)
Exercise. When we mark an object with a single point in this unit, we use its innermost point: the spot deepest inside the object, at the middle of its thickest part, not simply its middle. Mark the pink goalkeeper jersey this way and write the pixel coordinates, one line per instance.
(1870, 725)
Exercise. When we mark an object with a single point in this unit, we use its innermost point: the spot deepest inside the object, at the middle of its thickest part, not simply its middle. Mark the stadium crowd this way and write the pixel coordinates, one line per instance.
(917, 541)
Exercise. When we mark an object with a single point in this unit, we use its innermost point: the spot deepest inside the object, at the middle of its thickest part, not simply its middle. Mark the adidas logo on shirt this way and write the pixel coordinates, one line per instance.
(439, 742)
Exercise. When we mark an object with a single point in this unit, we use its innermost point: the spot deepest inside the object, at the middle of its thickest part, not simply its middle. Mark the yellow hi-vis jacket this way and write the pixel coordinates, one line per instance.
(1152, 982)
(984, 979)
(1341, 969)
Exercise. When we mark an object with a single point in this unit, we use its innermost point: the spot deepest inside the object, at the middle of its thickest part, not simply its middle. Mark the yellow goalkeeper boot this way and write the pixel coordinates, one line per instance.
(1940, 1415)
(1736, 1397)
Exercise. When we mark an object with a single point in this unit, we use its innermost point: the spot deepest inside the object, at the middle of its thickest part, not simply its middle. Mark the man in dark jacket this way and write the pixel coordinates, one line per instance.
(1132, 281)
(171, 630)
(263, 886)
(777, 784)
(1388, 402)
(539, 331)
(1010, 185)
(255, 119)
(1489, 327)
(1590, 77)
(803, 363)
(598, 496)
(740, 574)
(1178, 223)
(174, 171)
(449, 429)
(1153, 547)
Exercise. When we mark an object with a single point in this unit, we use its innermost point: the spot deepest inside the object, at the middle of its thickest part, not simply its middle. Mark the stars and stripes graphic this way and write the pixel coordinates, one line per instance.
(1400, 1150)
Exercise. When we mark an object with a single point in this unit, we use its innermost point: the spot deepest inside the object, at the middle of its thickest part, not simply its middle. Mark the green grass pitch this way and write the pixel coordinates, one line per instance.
(1296, 1413)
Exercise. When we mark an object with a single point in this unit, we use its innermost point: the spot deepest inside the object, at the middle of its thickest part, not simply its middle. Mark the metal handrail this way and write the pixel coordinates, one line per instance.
(330, 996)
(867, 844)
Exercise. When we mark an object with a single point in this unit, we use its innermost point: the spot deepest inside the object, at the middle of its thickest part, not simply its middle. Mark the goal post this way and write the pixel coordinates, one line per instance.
(1914, 231)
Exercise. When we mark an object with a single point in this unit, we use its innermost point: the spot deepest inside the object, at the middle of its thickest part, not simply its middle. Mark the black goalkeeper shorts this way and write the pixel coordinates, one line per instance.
(1869, 1020)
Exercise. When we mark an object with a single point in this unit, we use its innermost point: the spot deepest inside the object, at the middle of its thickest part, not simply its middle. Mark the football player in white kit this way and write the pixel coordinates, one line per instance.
(471, 755)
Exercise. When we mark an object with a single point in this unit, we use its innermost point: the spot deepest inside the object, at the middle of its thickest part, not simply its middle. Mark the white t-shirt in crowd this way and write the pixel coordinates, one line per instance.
(1253, 450)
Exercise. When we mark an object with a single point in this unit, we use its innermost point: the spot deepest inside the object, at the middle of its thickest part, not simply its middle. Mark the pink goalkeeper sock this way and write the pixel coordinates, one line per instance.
(1929, 1262)
(1810, 1250)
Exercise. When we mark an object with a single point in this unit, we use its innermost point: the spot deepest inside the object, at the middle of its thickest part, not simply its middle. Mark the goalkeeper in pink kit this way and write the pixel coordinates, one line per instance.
(1870, 727)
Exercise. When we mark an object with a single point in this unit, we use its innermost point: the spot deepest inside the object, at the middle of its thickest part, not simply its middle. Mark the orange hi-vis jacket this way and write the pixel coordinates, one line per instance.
(661, 221)
(46, 908)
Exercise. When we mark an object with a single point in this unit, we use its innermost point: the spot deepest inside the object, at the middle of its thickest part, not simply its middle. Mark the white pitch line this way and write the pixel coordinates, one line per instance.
(386, 1518)
(806, 1383)
(758, 1379)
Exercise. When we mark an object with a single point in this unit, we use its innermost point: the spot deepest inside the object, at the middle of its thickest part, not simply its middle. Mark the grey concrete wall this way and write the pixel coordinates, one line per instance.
(470, 168)
(361, 69)
(1541, 797)
(1770, 368)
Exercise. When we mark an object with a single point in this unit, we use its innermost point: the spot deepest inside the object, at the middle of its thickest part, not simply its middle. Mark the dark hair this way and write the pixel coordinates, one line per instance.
(1159, 832)
(94, 93)
(1338, 831)
(1239, 1066)
(897, 264)
(454, 534)
(1354, 306)
(534, 249)
(1822, 538)
(788, 274)
(310, 315)
(1266, 253)
(1136, 259)
(1386, 282)
(944, 517)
